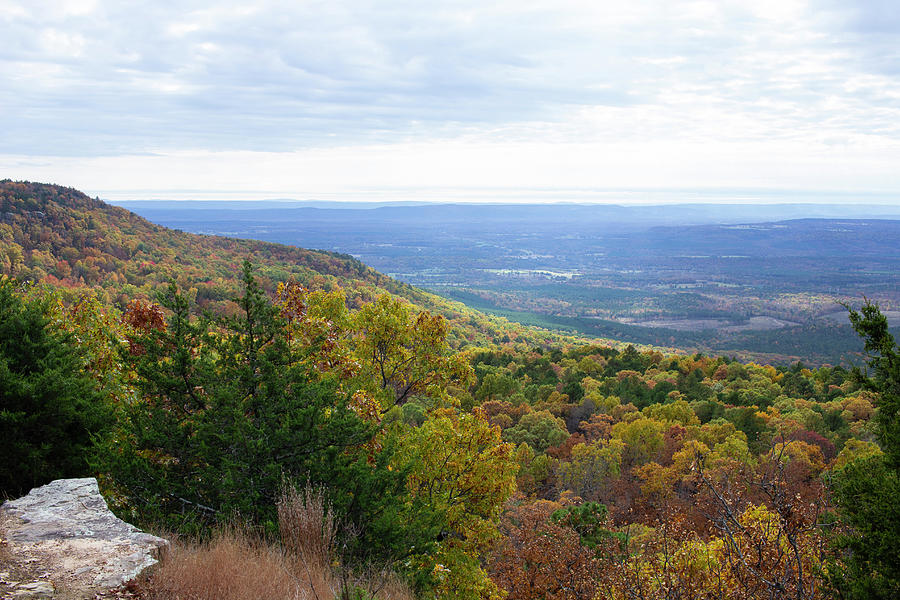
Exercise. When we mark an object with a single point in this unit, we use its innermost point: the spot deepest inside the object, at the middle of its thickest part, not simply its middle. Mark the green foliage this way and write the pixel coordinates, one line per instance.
(228, 411)
(885, 364)
(746, 420)
(459, 466)
(867, 490)
(539, 429)
(413, 413)
(643, 439)
(49, 407)
(406, 356)
(592, 466)
(674, 412)
(496, 386)
(588, 520)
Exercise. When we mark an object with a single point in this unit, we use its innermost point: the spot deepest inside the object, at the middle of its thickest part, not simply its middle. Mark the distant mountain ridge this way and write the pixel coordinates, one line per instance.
(635, 216)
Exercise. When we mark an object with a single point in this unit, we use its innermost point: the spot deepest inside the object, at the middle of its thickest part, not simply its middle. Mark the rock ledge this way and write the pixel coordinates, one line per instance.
(80, 545)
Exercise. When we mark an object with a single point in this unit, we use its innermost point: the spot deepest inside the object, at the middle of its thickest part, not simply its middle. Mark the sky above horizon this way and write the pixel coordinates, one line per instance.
(522, 100)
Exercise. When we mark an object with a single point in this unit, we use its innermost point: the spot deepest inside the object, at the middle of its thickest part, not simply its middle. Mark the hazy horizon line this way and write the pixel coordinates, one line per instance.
(481, 195)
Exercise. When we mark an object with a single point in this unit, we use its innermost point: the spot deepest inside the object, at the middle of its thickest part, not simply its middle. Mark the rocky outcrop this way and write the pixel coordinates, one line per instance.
(66, 529)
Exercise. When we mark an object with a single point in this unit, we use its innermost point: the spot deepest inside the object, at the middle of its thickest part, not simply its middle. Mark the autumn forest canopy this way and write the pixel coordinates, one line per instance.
(212, 383)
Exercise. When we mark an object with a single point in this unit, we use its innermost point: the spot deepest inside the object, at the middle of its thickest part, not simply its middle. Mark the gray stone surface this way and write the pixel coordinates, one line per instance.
(66, 527)
(36, 589)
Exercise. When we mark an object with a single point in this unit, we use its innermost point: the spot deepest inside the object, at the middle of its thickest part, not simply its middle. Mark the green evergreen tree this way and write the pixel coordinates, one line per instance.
(867, 491)
(228, 412)
(589, 522)
(49, 406)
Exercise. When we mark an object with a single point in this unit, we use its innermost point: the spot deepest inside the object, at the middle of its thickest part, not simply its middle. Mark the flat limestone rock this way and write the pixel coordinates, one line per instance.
(65, 532)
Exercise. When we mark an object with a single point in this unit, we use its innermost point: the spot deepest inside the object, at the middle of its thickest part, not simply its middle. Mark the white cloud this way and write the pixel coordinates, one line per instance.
(65, 46)
(692, 93)
(473, 170)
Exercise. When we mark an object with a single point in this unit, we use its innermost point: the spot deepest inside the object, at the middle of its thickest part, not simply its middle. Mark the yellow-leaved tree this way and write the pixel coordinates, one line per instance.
(461, 467)
(405, 356)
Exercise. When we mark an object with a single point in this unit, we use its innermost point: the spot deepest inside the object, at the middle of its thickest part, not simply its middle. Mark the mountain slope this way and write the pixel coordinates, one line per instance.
(60, 236)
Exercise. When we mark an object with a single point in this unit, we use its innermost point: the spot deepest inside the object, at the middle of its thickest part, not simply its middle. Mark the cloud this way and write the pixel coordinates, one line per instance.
(473, 170)
(103, 78)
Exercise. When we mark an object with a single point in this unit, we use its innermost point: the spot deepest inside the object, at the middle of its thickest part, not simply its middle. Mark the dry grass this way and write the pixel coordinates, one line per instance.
(235, 565)
(307, 526)
(231, 566)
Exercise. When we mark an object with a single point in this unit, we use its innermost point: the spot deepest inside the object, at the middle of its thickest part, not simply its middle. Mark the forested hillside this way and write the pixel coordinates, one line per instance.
(59, 236)
(378, 449)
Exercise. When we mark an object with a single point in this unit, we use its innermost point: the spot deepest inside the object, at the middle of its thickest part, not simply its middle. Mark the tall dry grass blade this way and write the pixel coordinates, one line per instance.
(307, 527)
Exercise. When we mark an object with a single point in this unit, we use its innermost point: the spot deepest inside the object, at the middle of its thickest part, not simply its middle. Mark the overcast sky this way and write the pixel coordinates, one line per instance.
(430, 99)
